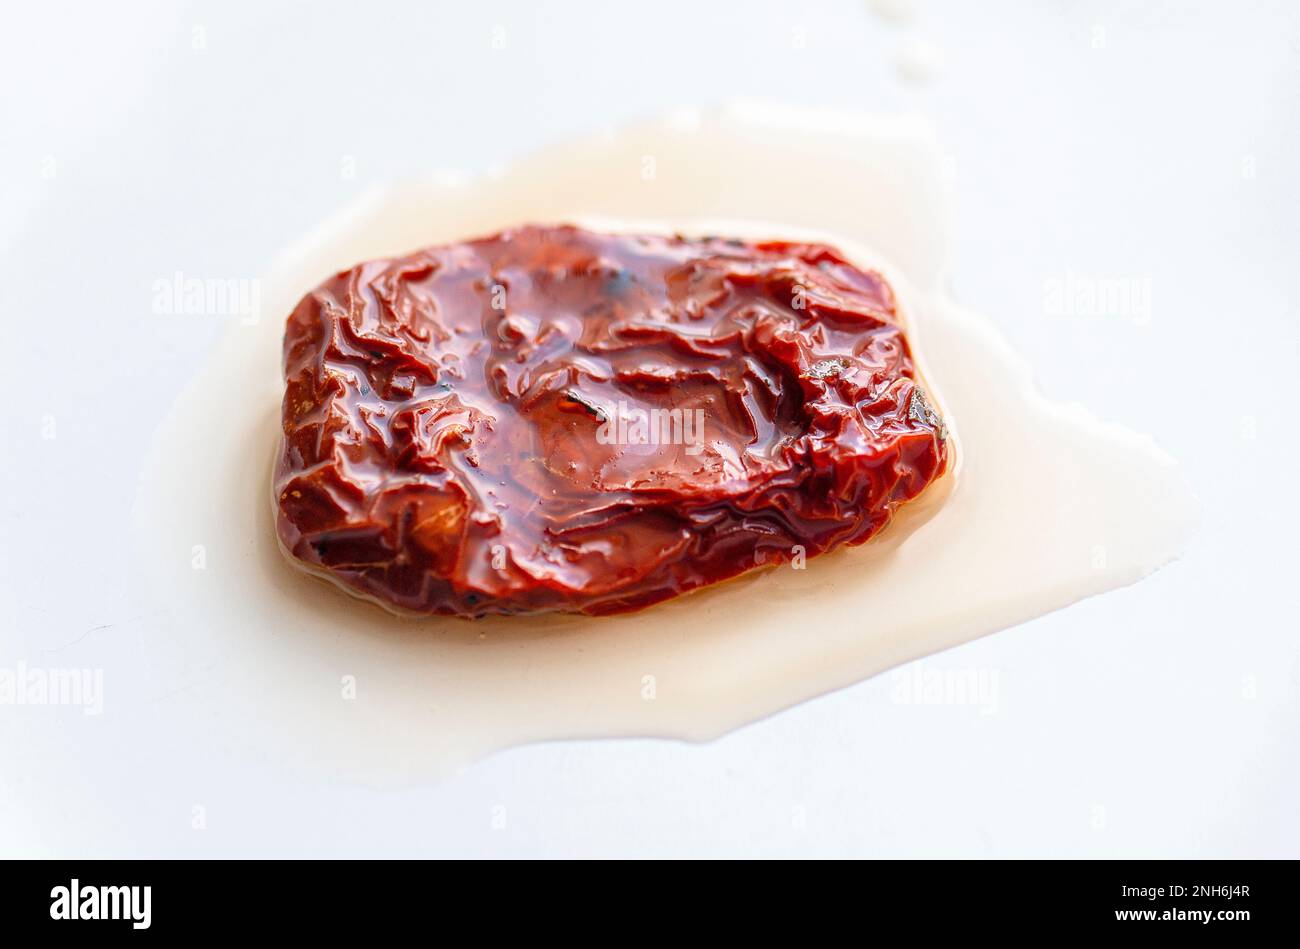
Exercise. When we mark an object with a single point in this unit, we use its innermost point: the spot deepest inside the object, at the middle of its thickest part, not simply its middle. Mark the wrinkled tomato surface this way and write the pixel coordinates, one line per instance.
(556, 419)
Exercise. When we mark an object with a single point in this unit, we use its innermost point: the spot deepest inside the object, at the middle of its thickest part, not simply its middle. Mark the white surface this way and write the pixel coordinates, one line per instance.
(1155, 142)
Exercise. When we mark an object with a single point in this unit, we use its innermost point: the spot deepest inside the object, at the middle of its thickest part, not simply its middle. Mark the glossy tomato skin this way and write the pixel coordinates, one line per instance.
(555, 419)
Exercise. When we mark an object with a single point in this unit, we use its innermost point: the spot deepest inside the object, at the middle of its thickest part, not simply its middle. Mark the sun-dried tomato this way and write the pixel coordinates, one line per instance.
(556, 419)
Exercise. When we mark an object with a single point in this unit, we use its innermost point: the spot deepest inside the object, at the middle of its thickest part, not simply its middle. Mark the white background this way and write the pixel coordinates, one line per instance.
(1155, 141)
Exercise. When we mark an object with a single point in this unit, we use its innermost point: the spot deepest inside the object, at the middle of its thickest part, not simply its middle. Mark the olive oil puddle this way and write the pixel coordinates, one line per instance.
(1047, 506)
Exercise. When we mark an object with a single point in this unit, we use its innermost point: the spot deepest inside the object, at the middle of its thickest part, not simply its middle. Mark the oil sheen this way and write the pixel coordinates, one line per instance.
(1044, 506)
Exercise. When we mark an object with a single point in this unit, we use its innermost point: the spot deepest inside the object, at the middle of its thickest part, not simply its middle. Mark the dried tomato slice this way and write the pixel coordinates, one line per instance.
(556, 419)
